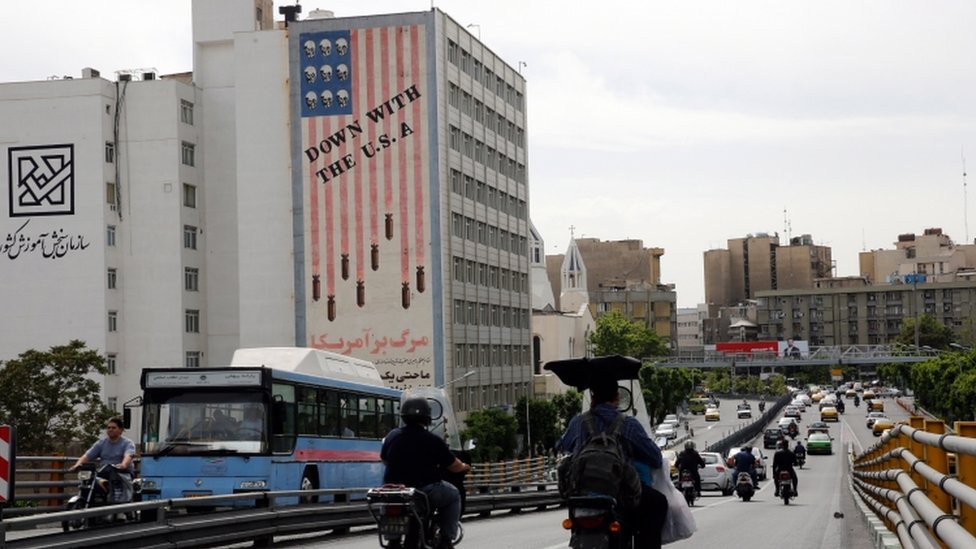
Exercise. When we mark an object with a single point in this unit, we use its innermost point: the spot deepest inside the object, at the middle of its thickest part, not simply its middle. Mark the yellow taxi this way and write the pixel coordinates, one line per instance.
(881, 425)
(670, 457)
(868, 395)
(712, 414)
(829, 413)
(817, 397)
(876, 405)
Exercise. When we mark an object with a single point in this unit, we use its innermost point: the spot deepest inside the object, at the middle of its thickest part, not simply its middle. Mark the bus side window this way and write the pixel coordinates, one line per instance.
(368, 419)
(349, 415)
(307, 407)
(388, 419)
(328, 413)
(283, 420)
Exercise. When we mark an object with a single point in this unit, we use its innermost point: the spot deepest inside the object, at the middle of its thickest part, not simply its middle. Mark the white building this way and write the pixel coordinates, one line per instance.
(355, 184)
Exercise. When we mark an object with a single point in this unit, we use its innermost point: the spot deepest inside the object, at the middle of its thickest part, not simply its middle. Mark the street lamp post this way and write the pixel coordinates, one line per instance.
(915, 278)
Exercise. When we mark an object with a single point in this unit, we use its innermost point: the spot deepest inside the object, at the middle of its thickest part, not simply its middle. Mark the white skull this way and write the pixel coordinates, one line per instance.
(325, 46)
(326, 99)
(325, 71)
(343, 96)
(309, 74)
(342, 46)
(311, 100)
(342, 71)
(309, 49)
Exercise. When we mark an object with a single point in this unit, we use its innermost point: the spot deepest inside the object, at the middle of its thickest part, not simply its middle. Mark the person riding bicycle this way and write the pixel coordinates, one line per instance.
(690, 460)
(416, 457)
(745, 462)
(784, 460)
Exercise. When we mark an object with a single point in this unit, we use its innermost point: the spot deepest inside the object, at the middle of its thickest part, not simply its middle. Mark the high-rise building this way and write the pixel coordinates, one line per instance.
(354, 184)
(758, 262)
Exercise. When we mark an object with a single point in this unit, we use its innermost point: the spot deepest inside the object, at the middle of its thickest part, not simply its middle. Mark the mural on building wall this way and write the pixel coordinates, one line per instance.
(41, 182)
(365, 165)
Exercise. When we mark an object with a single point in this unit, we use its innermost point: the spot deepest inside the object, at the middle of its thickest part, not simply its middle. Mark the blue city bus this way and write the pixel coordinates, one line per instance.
(274, 419)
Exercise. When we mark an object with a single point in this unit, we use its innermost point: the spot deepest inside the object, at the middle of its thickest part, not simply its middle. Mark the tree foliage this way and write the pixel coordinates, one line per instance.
(664, 389)
(946, 385)
(618, 335)
(493, 431)
(543, 421)
(567, 406)
(931, 333)
(52, 399)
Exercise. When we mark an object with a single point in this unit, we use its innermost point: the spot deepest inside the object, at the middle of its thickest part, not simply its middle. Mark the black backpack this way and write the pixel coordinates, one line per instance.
(600, 465)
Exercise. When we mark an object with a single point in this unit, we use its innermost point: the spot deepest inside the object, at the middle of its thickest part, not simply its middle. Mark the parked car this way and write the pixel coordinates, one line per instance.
(712, 414)
(771, 435)
(760, 460)
(743, 411)
(716, 474)
(672, 419)
(820, 443)
(666, 430)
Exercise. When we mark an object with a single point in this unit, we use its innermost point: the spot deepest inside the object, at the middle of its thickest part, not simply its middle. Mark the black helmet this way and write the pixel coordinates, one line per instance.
(690, 445)
(415, 410)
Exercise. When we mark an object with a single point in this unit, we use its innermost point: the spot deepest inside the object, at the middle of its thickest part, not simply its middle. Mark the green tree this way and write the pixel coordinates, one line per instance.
(618, 335)
(51, 398)
(665, 388)
(931, 333)
(493, 431)
(568, 405)
(543, 420)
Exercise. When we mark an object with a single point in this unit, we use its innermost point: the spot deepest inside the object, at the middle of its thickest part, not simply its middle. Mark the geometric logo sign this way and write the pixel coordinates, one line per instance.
(42, 180)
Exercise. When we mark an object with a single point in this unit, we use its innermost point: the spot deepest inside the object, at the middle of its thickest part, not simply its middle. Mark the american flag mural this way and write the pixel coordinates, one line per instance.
(365, 169)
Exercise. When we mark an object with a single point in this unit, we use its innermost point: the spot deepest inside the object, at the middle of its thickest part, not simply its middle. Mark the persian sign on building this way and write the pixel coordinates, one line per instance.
(362, 102)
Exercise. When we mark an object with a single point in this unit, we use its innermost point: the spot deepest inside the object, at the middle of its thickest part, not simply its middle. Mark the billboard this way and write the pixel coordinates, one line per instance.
(363, 104)
(784, 349)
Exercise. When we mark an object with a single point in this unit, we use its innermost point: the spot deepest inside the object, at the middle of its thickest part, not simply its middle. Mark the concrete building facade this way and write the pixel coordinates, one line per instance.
(354, 184)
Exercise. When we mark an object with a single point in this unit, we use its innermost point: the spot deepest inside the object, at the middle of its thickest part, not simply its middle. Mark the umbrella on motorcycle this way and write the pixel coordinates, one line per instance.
(583, 372)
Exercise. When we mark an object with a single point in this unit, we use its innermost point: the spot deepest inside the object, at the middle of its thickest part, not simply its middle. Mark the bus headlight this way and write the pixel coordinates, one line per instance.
(254, 484)
(148, 484)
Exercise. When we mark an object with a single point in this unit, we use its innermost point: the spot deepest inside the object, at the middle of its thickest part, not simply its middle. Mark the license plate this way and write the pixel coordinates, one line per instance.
(687, 484)
(196, 494)
(393, 526)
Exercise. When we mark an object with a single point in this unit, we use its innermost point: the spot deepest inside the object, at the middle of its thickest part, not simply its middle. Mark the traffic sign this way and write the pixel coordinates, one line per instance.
(6, 463)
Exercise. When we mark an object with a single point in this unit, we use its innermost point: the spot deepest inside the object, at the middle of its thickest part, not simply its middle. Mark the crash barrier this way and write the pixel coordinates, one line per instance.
(43, 483)
(752, 430)
(918, 480)
(166, 523)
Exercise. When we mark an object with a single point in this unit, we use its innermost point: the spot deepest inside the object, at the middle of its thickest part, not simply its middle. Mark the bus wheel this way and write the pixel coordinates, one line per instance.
(309, 482)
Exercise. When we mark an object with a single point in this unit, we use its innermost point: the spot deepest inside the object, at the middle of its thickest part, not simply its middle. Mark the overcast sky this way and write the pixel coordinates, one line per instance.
(682, 124)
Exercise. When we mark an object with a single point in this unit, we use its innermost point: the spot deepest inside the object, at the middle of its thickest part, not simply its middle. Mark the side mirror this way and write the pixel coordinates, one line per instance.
(626, 399)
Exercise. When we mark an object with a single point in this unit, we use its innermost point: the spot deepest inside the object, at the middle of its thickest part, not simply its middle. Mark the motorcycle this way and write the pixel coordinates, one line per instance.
(99, 487)
(595, 522)
(762, 407)
(743, 486)
(857, 402)
(801, 458)
(403, 516)
(793, 431)
(687, 485)
(785, 486)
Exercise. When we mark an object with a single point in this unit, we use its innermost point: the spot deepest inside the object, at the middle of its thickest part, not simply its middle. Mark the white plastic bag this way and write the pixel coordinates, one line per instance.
(679, 523)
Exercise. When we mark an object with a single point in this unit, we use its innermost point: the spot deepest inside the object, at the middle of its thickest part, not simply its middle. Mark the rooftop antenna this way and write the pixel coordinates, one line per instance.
(787, 227)
(965, 196)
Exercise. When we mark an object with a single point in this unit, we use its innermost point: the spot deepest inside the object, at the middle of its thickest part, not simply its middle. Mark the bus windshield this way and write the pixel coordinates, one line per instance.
(196, 422)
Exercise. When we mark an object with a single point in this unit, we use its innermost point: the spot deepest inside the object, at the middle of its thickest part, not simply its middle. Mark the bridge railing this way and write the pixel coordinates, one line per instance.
(918, 479)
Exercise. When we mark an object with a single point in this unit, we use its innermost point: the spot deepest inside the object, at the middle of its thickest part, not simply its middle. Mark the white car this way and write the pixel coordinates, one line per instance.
(716, 474)
(760, 460)
(784, 422)
(672, 419)
(666, 430)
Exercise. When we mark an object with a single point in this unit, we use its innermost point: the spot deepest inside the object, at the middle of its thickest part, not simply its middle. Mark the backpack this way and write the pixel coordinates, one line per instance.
(600, 465)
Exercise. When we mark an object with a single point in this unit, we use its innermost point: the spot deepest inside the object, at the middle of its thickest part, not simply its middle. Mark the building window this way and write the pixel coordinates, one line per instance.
(112, 278)
(189, 237)
(110, 236)
(192, 359)
(186, 112)
(110, 195)
(110, 363)
(188, 154)
(113, 403)
(189, 195)
(192, 318)
(109, 152)
(191, 279)
(113, 321)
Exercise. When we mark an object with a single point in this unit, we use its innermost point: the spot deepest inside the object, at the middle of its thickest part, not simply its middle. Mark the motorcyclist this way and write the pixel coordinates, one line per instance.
(653, 506)
(793, 430)
(784, 460)
(800, 451)
(690, 460)
(857, 401)
(115, 450)
(414, 457)
(762, 406)
(745, 462)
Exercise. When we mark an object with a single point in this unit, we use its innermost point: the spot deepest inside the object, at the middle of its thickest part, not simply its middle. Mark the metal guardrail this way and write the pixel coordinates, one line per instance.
(823, 355)
(918, 479)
